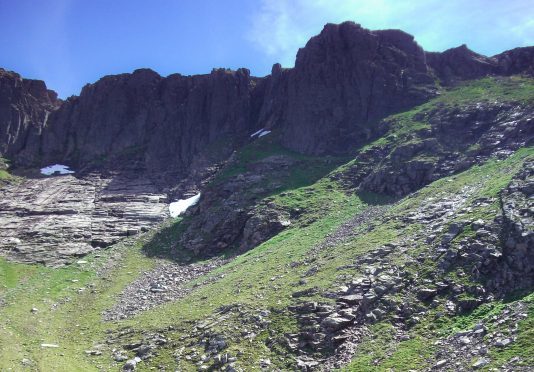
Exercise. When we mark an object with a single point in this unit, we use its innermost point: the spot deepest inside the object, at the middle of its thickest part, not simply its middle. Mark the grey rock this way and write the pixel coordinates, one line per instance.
(426, 293)
(503, 342)
(57, 219)
(351, 299)
(335, 322)
(441, 363)
(480, 362)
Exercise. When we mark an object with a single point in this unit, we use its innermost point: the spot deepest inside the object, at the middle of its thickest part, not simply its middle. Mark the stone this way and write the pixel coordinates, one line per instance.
(306, 307)
(503, 342)
(144, 351)
(480, 362)
(478, 224)
(351, 299)
(93, 352)
(129, 365)
(305, 292)
(335, 322)
(426, 293)
(306, 365)
(464, 340)
(440, 363)
(119, 357)
(265, 363)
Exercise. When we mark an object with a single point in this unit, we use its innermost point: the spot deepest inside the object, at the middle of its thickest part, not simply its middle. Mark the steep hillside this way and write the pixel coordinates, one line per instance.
(414, 252)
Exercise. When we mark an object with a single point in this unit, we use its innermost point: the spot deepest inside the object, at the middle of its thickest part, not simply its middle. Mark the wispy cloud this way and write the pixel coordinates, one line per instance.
(280, 27)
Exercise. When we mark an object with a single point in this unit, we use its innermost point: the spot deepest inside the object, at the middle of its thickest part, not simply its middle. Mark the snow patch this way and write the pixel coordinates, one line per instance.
(262, 132)
(51, 169)
(256, 133)
(178, 207)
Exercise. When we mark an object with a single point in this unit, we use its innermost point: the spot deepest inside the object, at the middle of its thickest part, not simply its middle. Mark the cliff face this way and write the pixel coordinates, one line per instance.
(461, 63)
(25, 106)
(160, 123)
(344, 81)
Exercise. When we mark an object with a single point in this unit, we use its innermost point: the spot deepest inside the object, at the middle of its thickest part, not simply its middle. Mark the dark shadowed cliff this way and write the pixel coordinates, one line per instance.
(344, 81)
(25, 106)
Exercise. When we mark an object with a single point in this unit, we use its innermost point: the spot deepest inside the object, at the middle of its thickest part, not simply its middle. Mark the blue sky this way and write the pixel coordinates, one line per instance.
(69, 43)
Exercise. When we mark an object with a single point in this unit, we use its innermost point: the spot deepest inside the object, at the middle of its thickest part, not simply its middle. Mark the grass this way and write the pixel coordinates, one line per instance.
(305, 171)
(379, 351)
(259, 279)
(66, 316)
(513, 88)
(523, 347)
(5, 176)
(253, 271)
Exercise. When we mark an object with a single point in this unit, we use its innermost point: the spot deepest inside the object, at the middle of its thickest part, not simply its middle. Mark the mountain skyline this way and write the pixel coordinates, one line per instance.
(69, 44)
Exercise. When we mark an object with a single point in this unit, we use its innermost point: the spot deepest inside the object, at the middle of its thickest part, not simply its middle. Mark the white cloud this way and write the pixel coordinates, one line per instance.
(279, 27)
(524, 32)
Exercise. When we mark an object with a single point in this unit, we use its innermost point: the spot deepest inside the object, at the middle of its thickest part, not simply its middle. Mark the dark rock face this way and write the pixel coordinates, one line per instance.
(460, 63)
(25, 106)
(161, 123)
(516, 61)
(344, 80)
(181, 129)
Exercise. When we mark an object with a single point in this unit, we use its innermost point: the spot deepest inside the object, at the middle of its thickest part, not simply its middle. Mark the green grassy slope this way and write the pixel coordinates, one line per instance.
(70, 300)
(259, 279)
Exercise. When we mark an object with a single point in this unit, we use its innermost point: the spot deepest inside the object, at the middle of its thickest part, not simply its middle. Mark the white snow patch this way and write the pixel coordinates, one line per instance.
(51, 169)
(262, 132)
(178, 207)
(256, 133)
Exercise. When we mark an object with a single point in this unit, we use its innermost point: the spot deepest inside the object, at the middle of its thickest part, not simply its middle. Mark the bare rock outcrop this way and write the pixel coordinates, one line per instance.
(456, 139)
(228, 214)
(178, 130)
(56, 219)
(345, 79)
(25, 106)
(461, 63)
(160, 123)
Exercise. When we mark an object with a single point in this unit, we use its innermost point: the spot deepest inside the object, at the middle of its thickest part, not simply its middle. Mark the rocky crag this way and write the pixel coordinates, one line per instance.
(25, 106)
(344, 81)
